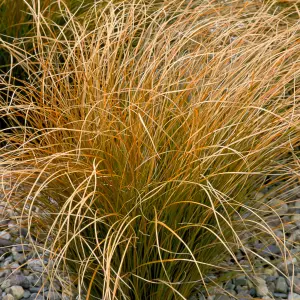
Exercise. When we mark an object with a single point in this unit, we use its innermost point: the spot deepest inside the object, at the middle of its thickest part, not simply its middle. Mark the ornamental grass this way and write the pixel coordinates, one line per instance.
(136, 144)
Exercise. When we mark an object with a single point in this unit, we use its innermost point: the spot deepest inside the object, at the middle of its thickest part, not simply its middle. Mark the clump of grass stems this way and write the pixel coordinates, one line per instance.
(145, 130)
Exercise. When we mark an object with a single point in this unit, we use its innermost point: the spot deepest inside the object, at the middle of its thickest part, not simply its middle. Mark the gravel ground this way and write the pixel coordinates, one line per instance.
(281, 282)
(23, 274)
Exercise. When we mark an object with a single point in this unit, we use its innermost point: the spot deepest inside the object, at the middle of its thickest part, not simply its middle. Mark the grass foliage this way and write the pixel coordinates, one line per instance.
(143, 131)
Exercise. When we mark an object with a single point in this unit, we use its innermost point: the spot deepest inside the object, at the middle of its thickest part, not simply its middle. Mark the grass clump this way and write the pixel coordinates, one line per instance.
(141, 135)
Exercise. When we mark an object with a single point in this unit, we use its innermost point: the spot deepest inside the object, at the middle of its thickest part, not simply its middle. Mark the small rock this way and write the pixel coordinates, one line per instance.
(11, 224)
(223, 297)
(5, 235)
(295, 236)
(273, 221)
(17, 291)
(271, 287)
(20, 280)
(8, 297)
(4, 242)
(297, 285)
(252, 292)
(279, 233)
(293, 296)
(272, 249)
(11, 213)
(279, 206)
(5, 284)
(19, 258)
(241, 280)
(261, 288)
(271, 279)
(53, 295)
(35, 265)
(280, 295)
(296, 219)
(281, 285)
(34, 289)
(288, 265)
(21, 248)
(26, 294)
(5, 273)
(8, 261)
(269, 271)
(242, 290)
(259, 196)
(229, 285)
(15, 267)
(24, 232)
(36, 296)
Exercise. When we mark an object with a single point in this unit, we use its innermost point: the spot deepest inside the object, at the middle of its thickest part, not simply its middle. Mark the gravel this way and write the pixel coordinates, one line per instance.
(23, 274)
(268, 283)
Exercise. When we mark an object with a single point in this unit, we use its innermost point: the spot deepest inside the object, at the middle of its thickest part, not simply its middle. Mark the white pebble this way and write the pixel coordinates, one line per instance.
(5, 235)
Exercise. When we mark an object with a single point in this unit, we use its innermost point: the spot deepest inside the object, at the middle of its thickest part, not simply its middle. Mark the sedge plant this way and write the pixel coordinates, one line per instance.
(141, 135)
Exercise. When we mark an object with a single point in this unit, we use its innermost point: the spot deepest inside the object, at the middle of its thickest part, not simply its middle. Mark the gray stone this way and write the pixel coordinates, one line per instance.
(17, 291)
(20, 280)
(34, 289)
(296, 219)
(26, 272)
(287, 265)
(26, 294)
(5, 273)
(11, 213)
(7, 261)
(280, 295)
(297, 285)
(20, 258)
(5, 235)
(229, 285)
(279, 233)
(252, 292)
(259, 196)
(261, 287)
(279, 206)
(36, 296)
(293, 296)
(242, 290)
(295, 236)
(269, 271)
(36, 280)
(53, 295)
(5, 284)
(241, 280)
(21, 248)
(35, 265)
(271, 279)
(5, 243)
(24, 232)
(281, 285)
(273, 221)
(8, 297)
(272, 249)
(15, 267)
(223, 297)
